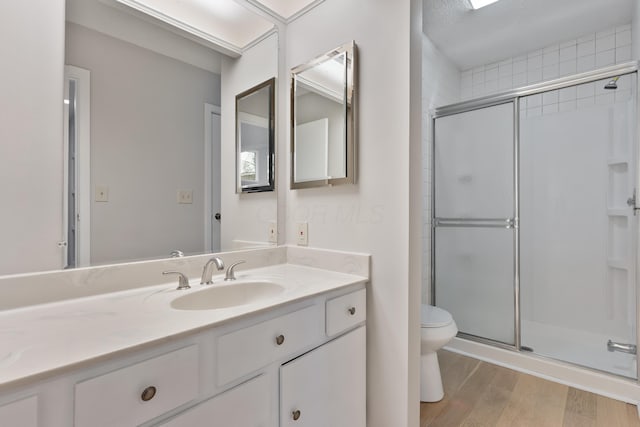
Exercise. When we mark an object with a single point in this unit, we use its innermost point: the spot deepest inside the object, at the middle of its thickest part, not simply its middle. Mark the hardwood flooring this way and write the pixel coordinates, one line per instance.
(479, 394)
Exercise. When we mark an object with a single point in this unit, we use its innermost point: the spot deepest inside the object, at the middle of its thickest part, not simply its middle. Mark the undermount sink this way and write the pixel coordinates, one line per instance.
(227, 295)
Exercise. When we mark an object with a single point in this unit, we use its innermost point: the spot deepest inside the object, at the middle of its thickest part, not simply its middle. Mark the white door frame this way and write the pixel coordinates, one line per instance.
(83, 164)
(209, 171)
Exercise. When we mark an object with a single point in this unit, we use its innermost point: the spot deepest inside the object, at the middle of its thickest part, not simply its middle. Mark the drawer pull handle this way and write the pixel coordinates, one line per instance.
(352, 311)
(296, 415)
(279, 339)
(148, 393)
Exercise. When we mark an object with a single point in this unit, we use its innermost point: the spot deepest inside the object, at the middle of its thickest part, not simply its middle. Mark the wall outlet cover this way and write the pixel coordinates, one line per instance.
(302, 233)
(273, 232)
(185, 196)
(102, 193)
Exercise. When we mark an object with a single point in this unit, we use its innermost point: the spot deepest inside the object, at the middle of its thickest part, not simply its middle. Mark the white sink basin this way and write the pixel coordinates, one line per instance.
(227, 295)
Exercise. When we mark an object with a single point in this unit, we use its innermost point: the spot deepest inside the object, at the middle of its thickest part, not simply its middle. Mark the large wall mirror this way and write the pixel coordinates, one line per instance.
(151, 171)
(255, 138)
(323, 119)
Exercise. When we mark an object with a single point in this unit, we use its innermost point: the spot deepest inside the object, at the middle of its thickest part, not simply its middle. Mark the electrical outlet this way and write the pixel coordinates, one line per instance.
(302, 231)
(102, 193)
(273, 232)
(185, 196)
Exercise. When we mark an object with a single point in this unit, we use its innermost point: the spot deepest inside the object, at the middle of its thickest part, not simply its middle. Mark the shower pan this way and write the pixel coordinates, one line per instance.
(534, 218)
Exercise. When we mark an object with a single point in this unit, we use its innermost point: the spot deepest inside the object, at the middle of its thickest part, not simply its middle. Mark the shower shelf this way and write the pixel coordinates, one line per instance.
(618, 263)
(618, 212)
(617, 161)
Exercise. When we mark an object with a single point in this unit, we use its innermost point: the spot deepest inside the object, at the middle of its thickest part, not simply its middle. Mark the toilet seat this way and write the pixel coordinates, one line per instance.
(434, 317)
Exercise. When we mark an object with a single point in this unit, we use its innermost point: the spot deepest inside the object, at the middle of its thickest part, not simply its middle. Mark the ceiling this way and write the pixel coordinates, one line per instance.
(229, 26)
(512, 27)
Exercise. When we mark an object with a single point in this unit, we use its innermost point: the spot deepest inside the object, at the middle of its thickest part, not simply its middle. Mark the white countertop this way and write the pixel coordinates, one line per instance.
(41, 340)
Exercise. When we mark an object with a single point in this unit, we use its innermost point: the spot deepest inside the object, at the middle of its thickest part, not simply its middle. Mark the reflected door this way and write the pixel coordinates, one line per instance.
(475, 216)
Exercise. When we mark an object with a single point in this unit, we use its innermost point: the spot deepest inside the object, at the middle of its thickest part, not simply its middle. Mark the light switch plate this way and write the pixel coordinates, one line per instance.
(302, 231)
(102, 193)
(185, 196)
(273, 232)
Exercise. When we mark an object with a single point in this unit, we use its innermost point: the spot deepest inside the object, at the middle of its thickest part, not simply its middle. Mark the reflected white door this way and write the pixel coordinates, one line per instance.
(212, 204)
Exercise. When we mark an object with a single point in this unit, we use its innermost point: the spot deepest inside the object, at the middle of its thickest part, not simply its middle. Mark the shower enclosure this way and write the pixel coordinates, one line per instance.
(534, 242)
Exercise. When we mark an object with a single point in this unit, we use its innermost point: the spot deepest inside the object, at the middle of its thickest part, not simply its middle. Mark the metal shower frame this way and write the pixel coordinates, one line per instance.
(511, 96)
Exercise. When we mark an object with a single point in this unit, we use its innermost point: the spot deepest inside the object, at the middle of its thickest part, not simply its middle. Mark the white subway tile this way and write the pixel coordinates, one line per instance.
(478, 91)
(466, 81)
(491, 74)
(567, 106)
(534, 76)
(534, 62)
(605, 58)
(550, 97)
(586, 48)
(549, 109)
(534, 100)
(551, 58)
(491, 87)
(623, 95)
(586, 63)
(519, 80)
(567, 68)
(505, 83)
(623, 54)
(586, 38)
(605, 43)
(567, 94)
(520, 66)
(505, 69)
(550, 72)
(586, 90)
(568, 43)
(533, 53)
(607, 99)
(605, 33)
(585, 102)
(534, 112)
(621, 28)
(478, 78)
(567, 53)
(550, 49)
(523, 103)
(623, 38)
(466, 73)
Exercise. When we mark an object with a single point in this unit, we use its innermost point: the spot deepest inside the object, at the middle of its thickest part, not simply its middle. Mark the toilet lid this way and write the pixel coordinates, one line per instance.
(434, 317)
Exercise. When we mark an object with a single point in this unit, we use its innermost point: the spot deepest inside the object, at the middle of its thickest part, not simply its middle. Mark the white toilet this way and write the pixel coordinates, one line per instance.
(438, 328)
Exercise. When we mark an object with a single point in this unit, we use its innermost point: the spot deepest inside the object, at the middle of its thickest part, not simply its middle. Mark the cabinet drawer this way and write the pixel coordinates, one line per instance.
(23, 413)
(119, 399)
(246, 350)
(346, 311)
(247, 405)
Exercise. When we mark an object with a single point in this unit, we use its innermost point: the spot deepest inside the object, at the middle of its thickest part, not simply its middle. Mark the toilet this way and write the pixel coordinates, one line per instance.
(438, 328)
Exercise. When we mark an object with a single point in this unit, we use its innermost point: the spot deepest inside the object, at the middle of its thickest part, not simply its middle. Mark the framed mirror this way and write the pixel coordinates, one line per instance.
(323, 119)
(255, 142)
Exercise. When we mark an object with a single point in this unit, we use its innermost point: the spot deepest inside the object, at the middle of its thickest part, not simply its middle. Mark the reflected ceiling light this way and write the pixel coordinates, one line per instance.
(477, 4)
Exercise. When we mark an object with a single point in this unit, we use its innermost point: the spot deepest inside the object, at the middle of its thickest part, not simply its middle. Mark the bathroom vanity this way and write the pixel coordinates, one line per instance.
(295, 357)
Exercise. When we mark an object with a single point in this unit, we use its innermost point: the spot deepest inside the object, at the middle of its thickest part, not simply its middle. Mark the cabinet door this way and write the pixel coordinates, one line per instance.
(247, 405)
(23, 413)
(327, 386)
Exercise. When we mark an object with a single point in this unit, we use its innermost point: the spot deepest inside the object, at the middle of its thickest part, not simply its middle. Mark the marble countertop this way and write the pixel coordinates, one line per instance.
(41, 340)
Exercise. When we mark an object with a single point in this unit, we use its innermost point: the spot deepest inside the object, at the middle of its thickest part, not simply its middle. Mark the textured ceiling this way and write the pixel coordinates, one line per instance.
(512, 27)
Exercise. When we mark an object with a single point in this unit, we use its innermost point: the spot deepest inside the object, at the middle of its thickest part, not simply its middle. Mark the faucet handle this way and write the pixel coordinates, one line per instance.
(231, 274)
(183, 282)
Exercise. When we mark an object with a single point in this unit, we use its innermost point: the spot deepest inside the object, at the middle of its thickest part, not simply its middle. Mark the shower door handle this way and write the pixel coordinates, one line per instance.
(476, 222)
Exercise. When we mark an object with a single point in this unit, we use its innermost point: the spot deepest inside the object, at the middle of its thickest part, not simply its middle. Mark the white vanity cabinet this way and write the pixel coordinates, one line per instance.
(21, 413)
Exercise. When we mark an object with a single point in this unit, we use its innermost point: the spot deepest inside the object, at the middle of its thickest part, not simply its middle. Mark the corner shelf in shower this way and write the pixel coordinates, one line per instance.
(618, 211)
(617, 161)
(620, 264)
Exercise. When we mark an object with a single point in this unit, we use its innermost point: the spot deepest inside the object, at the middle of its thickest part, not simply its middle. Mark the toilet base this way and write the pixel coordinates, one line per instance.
(430, 380)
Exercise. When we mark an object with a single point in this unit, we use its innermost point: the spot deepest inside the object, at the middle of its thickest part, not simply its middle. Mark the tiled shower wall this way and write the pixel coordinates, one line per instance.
(590, 52)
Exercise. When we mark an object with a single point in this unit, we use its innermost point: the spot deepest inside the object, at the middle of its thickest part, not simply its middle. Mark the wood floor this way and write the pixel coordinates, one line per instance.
(481, 394)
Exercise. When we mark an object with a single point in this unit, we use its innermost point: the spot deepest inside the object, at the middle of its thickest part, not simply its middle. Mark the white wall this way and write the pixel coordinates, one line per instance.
(31, 83)
(147, 133)
(635, 30)
(440, 86)
(372, 216)
(245, 217)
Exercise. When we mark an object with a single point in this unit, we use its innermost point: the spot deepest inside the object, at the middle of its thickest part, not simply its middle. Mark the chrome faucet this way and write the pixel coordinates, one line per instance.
(183, 282)
(231, 274)
(207, 271)
(176, 253)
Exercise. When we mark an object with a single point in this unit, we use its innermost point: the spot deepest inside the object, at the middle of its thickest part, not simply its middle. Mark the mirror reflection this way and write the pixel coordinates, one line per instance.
(143, 146)
(255, 138)
(323, 146)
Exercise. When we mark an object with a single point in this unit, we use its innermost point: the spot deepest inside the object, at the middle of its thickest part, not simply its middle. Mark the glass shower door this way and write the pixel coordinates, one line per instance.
(474, 221)
(578, 232)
